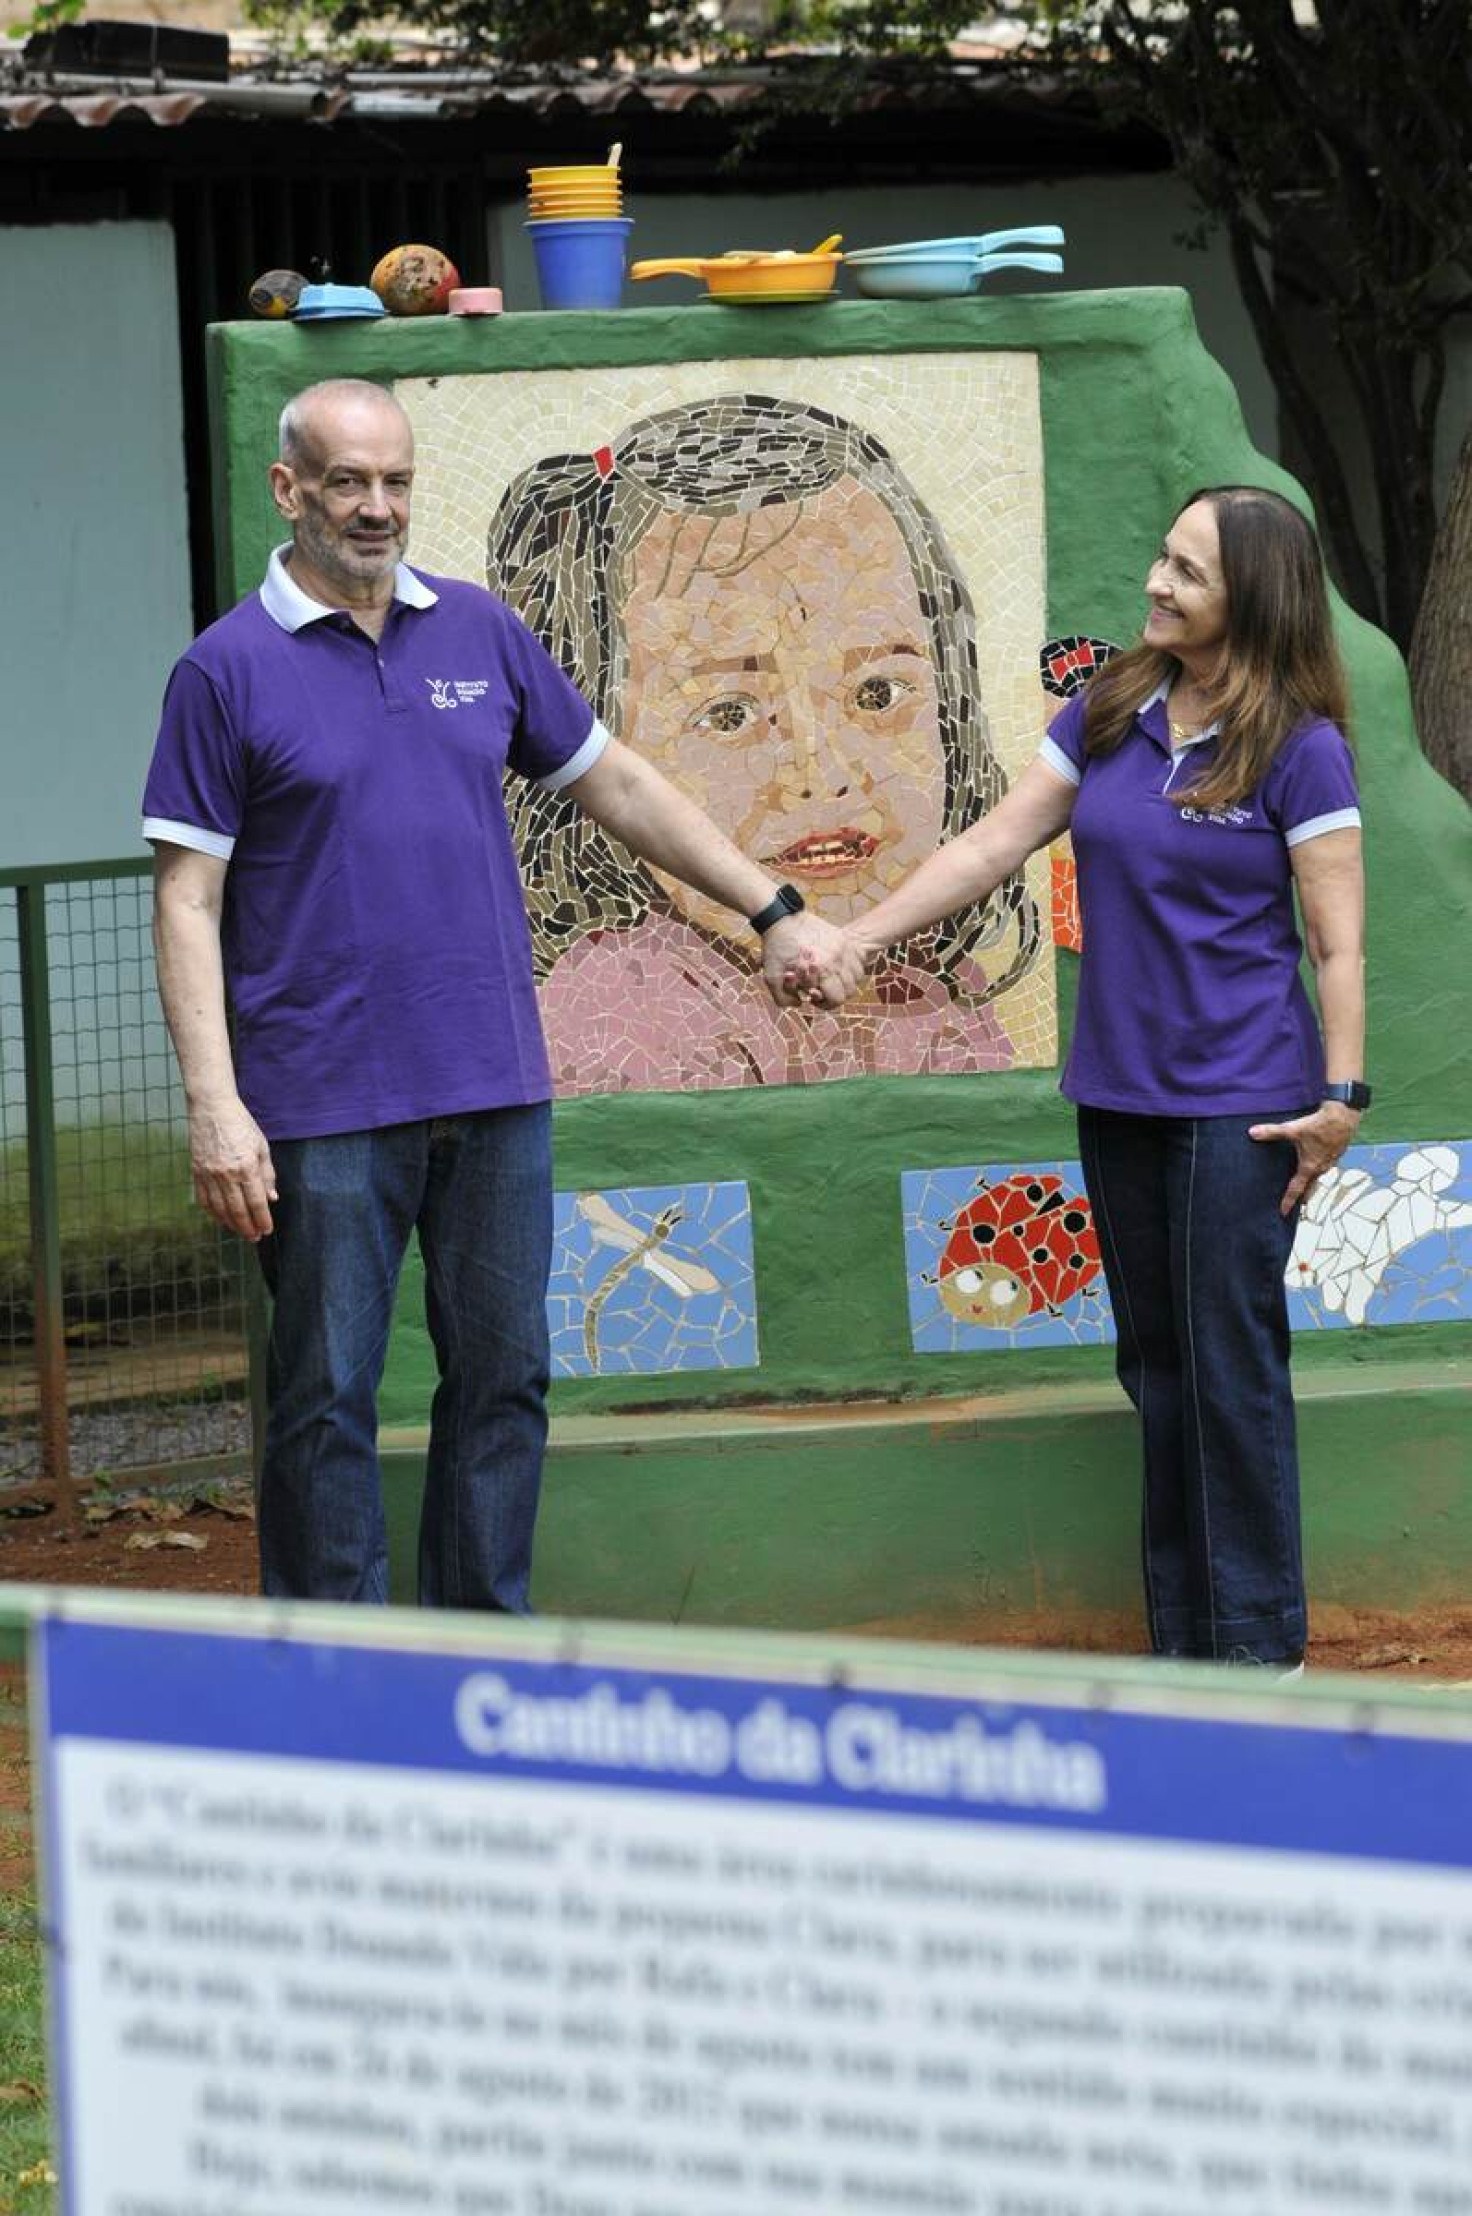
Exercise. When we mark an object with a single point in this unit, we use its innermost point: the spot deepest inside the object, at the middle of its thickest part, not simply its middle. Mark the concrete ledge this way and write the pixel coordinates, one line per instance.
(1009, 1515)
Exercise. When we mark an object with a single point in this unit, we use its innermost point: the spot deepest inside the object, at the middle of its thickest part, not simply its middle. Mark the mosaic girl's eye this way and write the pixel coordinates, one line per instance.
(733, 713)
(875, 694)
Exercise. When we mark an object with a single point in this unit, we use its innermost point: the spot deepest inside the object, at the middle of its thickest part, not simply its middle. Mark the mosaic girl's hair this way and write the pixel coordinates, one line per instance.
(561, 550)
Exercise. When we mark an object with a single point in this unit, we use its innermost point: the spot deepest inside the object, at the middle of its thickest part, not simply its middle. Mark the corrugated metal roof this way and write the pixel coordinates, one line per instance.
(91, 103)
(163, 102)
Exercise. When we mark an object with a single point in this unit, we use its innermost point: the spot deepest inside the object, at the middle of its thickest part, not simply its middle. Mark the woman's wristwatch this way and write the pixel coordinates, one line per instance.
(1351, 1094)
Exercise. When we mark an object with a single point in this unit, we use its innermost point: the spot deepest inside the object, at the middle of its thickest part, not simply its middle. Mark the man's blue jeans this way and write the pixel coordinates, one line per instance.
(478, 1189)
(1194, 1253)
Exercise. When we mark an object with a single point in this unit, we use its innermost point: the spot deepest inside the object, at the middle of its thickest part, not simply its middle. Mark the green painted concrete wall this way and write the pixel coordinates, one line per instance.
(1025, 1515)
(1135, 413)
(1009, 1514)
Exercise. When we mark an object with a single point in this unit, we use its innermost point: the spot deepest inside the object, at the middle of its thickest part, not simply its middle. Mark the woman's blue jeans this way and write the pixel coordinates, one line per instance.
(478, 1190)
(1194, 1248)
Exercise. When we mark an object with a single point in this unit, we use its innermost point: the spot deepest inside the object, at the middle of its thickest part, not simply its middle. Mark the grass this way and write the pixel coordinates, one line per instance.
(26, 2178)
(132, 1237)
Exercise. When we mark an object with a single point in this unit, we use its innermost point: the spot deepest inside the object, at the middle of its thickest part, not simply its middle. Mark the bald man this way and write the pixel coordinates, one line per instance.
(333, 863)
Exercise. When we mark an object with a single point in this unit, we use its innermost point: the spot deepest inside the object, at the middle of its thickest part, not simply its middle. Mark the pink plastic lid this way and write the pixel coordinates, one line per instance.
(476, 300)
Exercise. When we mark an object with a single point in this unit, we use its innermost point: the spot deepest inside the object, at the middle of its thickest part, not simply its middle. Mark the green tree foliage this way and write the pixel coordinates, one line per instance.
(518, 35)
(1334, 148)
(1330, 142)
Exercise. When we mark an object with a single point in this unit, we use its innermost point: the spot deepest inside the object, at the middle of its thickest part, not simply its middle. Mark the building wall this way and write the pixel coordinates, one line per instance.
(94, 569)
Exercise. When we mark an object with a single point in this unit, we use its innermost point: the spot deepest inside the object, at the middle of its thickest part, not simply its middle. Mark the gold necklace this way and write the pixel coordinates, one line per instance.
(1182, 733)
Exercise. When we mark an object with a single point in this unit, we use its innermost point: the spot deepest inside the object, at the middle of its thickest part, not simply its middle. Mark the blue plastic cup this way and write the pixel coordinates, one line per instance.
(580, 264)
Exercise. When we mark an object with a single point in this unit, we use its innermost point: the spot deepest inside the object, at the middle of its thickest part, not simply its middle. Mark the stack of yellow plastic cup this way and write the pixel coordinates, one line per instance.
(579, 233)
(577, 194)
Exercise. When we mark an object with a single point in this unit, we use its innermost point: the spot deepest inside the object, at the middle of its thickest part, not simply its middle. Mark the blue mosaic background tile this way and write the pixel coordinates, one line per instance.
(932, 1200)
(652, 1278)
(1386, 1238)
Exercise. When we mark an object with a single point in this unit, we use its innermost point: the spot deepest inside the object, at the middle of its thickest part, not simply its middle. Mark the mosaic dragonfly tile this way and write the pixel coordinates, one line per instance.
(652, 1278)
(772, 579)
(1006, 1256)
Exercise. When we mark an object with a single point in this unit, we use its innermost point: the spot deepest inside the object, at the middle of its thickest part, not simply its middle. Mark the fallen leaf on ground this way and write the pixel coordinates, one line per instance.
(241, 1509)
(1387, 1658)
(190, 1539)
(138, 1541)
(21, 2089)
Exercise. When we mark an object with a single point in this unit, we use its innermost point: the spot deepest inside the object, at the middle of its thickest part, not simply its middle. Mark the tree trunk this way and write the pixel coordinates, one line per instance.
(1441, 650)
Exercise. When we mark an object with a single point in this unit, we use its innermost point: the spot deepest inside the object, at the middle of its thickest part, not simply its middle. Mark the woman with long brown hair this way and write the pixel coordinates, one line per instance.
(1206, 778)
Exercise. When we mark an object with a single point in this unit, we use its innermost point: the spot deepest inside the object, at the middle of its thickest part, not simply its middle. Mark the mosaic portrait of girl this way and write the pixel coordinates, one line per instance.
(750, 592)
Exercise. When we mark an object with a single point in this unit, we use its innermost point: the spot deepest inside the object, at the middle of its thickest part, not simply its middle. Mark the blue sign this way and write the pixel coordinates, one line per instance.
(1301, 1787)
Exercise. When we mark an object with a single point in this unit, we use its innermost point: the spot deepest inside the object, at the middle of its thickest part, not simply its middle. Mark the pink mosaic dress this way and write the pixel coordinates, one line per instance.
(662, 1009)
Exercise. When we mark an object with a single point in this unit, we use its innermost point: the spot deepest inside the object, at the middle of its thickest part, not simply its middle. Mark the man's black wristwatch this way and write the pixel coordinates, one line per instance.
(1351, 1094)
(786, 901)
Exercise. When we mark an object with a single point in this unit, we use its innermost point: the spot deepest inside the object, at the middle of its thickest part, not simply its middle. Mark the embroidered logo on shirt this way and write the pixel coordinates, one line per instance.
(449, 692)
(1215, 815)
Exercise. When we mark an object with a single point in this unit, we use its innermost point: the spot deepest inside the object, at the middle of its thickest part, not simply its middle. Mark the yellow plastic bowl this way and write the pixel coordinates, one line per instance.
(751, 273)
(551, 200)
(598, 214)
(578, 173)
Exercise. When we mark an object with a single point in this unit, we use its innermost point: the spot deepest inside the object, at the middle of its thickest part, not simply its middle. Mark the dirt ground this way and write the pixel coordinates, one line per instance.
(199, 1543)
(206, 1543)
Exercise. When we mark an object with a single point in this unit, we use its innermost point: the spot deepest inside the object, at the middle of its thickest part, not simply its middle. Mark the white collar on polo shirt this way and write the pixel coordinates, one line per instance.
(1162, 693)
(285, 602)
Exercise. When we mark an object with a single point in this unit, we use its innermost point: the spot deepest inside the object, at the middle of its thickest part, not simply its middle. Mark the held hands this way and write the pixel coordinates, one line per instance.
(808, 963)
(234, 1180)
(1319, 1140)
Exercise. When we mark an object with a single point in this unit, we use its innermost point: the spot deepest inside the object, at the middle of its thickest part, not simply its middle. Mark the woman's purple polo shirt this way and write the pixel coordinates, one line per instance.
(374, 932)
(1191, 1001)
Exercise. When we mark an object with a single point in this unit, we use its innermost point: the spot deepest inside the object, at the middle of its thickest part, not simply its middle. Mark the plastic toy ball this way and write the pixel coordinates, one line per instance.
(277, 293)
(415, 280)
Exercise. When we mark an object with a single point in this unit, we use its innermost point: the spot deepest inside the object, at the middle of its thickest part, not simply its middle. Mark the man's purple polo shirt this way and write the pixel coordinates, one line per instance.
(1190, 998)
(374, 932)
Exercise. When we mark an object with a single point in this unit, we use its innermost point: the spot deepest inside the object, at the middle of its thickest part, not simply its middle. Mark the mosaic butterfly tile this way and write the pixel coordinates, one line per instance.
(1386, 1237)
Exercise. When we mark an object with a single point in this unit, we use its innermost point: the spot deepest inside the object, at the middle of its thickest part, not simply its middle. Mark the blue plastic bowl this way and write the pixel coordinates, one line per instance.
(917, 250)
(930, 276)
(331, 303)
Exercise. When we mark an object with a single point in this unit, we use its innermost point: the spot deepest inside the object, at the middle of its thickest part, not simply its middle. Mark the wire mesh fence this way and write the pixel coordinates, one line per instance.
(122, 1332)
